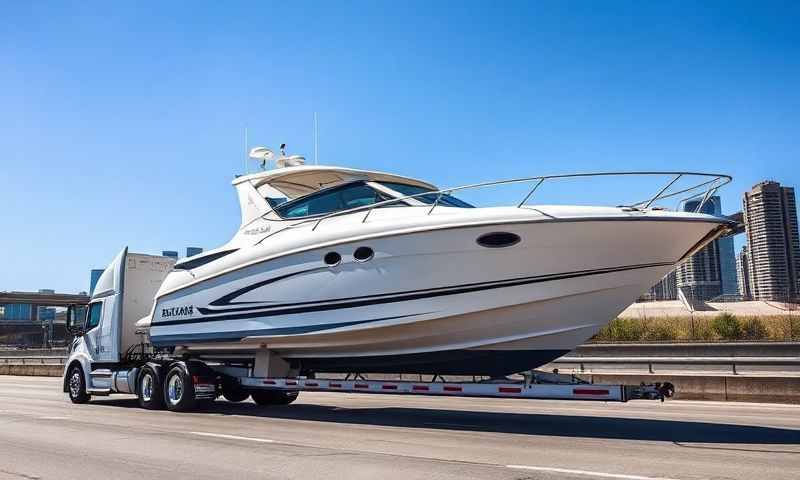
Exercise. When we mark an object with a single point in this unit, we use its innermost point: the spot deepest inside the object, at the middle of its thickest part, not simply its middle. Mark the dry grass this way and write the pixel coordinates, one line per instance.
(723, 327)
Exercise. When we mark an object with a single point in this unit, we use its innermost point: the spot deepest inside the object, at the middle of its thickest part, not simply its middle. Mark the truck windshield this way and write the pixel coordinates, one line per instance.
(406, 189)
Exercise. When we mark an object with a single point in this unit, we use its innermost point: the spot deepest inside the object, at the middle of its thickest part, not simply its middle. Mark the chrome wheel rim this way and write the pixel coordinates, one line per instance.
(147, 387)
(75, 384)
(175, 389)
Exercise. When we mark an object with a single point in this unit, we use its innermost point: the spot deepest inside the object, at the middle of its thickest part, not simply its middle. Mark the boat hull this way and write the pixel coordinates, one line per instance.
(432, 301)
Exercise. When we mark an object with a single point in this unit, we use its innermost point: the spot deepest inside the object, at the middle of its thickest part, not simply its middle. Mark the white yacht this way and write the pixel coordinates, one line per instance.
(342, 270)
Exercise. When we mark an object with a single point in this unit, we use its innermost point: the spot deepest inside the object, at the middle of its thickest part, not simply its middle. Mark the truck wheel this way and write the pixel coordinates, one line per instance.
(273, 397)
(233, 392)
(149, 389)
(179, 390)
(77, 386)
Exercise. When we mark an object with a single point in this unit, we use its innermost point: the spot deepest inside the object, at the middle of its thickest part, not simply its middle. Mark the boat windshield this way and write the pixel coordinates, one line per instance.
(354, 195)
(329, 200)
(406, 189)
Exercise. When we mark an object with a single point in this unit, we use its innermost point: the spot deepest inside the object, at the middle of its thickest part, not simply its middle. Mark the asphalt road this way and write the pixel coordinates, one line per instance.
(361, 436)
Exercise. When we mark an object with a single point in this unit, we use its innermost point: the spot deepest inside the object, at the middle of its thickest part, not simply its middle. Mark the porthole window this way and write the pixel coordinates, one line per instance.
(498, 239)
(332, 259)
(362, 254)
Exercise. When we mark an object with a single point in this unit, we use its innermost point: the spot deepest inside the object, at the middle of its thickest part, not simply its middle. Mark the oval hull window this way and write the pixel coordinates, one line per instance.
(498, 239)
(362, 254)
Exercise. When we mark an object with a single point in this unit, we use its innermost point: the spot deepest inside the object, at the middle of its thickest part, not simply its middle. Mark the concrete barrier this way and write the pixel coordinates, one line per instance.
(32, 370)
(33, 352)
(738, 388)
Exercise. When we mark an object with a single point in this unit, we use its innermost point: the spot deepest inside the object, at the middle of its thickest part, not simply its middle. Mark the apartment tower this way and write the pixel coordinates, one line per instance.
(773, 244)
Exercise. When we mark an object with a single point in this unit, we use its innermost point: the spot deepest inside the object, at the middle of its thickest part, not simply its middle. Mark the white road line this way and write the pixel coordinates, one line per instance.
(586, 473)
(233, 437)
(54, 418)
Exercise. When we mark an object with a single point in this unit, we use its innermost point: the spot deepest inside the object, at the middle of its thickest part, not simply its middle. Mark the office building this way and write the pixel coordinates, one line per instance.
(17, 311)
(192, 251)
(773, 243)
(46, 313)
(711, 272)
(665, 289)
(727, 266)
(742, 274)
(170, 253)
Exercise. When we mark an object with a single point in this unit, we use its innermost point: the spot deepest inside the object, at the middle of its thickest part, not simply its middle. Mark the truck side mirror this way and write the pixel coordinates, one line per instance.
(74, 325)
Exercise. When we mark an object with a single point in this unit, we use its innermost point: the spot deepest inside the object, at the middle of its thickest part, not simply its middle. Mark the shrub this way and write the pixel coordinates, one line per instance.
(661, 330)
(703, 330)
(727, 326)
(622, 330)
(794, 329)
(754, 329)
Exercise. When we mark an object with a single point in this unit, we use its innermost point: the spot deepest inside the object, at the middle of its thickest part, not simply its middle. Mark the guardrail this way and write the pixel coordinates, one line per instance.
(586, 364)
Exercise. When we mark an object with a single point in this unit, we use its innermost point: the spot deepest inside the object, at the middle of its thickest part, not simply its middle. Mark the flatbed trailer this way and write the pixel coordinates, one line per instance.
(576, 390)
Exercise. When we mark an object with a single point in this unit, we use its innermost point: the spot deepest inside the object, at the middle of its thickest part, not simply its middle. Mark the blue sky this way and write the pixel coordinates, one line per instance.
(122, 124)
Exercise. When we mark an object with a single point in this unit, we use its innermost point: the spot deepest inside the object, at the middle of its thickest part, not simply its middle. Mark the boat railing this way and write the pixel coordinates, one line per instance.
(706, 185)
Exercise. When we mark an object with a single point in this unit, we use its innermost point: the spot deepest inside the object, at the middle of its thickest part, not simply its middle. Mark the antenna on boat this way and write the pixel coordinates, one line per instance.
(263, 154)
(246, 169)
(316, 140)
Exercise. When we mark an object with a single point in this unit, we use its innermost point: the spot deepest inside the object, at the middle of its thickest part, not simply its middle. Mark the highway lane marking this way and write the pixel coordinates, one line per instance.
(232, 437)
(586, 473)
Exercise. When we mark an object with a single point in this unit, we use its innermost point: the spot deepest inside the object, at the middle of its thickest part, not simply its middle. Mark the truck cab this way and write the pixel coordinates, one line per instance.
(105, 336)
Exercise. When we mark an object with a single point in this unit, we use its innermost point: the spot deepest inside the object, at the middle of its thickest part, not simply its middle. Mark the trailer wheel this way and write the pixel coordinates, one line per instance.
(149, 389)
(179, 390)
(233, 392)
(77, 386)
(274, 397)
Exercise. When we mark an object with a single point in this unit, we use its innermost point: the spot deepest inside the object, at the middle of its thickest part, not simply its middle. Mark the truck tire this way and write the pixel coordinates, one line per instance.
(233, 392)
(77, 385)
(274, 397)
(149, 389)
(179, 390)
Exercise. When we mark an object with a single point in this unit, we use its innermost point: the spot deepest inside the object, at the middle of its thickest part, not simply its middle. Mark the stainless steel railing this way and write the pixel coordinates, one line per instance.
(706, 188)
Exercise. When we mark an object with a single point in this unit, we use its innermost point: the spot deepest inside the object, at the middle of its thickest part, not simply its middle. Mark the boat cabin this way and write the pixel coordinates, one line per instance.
(308, 191)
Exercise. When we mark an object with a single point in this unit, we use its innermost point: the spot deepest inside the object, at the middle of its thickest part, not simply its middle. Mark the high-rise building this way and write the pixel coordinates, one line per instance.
(170, 253)
(773, 255)
(711, 271)
(727, 266)
(192, 251)
(94, 277)
(665, 289)
(742, 274)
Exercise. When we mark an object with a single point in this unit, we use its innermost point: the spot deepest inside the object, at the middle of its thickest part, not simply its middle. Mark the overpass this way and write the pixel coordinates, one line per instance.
(33, 330)
(43, 299)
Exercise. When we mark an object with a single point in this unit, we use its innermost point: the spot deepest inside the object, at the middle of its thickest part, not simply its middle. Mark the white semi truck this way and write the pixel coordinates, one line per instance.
(109, 354)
